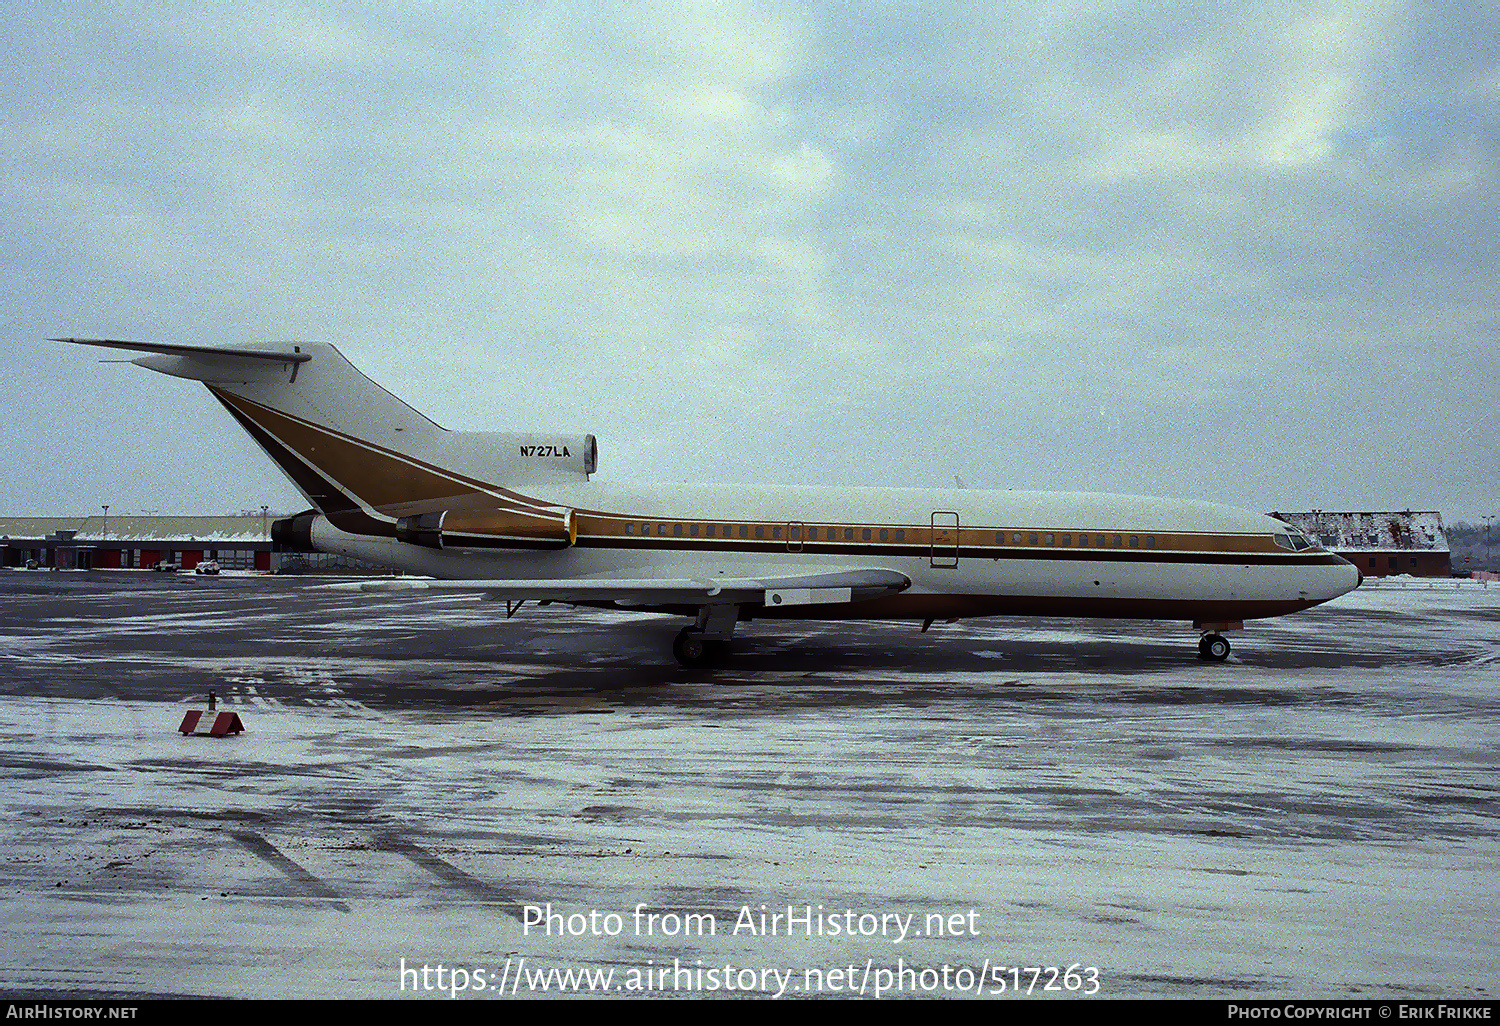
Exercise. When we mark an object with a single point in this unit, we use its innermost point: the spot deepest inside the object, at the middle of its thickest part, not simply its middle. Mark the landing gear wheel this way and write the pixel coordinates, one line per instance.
(1214, 647)
(690, 649)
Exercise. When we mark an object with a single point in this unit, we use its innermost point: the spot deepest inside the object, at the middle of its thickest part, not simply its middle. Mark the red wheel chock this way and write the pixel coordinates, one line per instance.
(210, 724)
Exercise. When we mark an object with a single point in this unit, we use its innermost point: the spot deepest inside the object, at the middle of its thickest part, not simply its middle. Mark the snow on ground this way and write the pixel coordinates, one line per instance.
(1314, 818)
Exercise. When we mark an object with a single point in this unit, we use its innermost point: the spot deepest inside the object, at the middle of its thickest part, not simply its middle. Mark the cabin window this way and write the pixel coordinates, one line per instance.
(848, 534)
(708, 530)
(1135, 541)
(744, 530)
(1015, 538)
(693, 530)
(1031, 539)
(1048, 539)
(1150, 541)
(760, 531)
(776, 532)
(630, 528)
(901, 536)
(1117, 541)
(661, 530)
(865, 534)
(677, 530)
(1065, 539)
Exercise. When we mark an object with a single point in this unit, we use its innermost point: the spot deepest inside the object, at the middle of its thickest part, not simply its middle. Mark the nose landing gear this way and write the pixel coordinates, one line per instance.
(1211, 644)
(1214, 647)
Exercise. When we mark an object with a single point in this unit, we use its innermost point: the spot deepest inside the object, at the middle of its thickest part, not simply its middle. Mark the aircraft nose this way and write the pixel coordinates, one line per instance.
(1359, 577)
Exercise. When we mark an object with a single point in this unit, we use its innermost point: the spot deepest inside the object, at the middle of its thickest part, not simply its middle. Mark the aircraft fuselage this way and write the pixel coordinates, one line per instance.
(967, 553)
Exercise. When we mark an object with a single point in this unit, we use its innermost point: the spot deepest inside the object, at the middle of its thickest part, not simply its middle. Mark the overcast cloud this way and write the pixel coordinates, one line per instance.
(1237, 252)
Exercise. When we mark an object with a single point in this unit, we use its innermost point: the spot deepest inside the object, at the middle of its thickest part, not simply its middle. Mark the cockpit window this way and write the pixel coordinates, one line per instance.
(1295, 542)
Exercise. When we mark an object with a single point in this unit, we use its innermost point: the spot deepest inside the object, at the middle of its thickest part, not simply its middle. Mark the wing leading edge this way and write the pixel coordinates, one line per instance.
(803, 589)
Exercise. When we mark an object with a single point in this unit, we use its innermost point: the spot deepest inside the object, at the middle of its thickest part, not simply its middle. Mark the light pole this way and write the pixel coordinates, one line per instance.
(105, 532)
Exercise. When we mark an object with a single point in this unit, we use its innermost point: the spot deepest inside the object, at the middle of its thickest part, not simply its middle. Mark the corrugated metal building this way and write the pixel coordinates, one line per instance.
(1381, 544)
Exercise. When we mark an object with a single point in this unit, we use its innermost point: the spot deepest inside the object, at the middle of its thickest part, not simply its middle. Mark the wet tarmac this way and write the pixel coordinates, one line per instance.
(549, 805)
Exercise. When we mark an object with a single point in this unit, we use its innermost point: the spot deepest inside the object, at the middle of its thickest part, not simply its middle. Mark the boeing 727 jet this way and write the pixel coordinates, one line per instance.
(518, 517)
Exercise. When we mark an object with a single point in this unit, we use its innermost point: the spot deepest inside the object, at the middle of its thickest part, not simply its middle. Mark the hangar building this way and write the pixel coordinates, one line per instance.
(122, 542)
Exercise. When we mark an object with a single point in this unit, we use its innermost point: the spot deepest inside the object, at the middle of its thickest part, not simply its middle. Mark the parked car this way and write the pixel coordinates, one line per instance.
(166, 566)
(208, 566)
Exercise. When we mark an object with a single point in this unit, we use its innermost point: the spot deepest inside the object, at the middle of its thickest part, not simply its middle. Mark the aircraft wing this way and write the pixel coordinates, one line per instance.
(801, 589)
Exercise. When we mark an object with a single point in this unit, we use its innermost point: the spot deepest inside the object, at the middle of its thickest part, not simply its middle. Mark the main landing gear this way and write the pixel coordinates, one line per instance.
(692, 649)
(707, 641)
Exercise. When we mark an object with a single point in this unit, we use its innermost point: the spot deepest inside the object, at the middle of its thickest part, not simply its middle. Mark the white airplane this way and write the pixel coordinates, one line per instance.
(516, 517)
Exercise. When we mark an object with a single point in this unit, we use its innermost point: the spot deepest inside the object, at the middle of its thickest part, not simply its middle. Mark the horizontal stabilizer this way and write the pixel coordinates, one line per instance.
(274, 355)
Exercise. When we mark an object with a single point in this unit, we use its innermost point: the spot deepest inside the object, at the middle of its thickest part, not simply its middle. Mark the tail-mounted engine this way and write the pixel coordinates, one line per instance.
(490, 529)
(294, 534)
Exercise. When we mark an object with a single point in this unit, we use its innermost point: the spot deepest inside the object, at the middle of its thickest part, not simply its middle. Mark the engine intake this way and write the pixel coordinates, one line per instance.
(294, 534)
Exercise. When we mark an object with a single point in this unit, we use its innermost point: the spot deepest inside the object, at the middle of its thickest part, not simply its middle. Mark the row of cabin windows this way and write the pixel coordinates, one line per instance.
(777, 532)
(794, 532)
(1101, 541)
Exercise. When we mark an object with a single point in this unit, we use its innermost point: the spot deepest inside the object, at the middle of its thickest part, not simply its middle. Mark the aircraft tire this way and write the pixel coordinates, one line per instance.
(1214, 647)
(689, 648)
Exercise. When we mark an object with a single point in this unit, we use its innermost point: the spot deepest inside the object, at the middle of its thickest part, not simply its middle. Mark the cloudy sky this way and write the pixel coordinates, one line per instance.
(1236, 252)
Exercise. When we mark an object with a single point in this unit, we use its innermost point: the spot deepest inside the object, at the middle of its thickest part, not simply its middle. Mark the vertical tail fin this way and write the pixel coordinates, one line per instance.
(349, 445)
